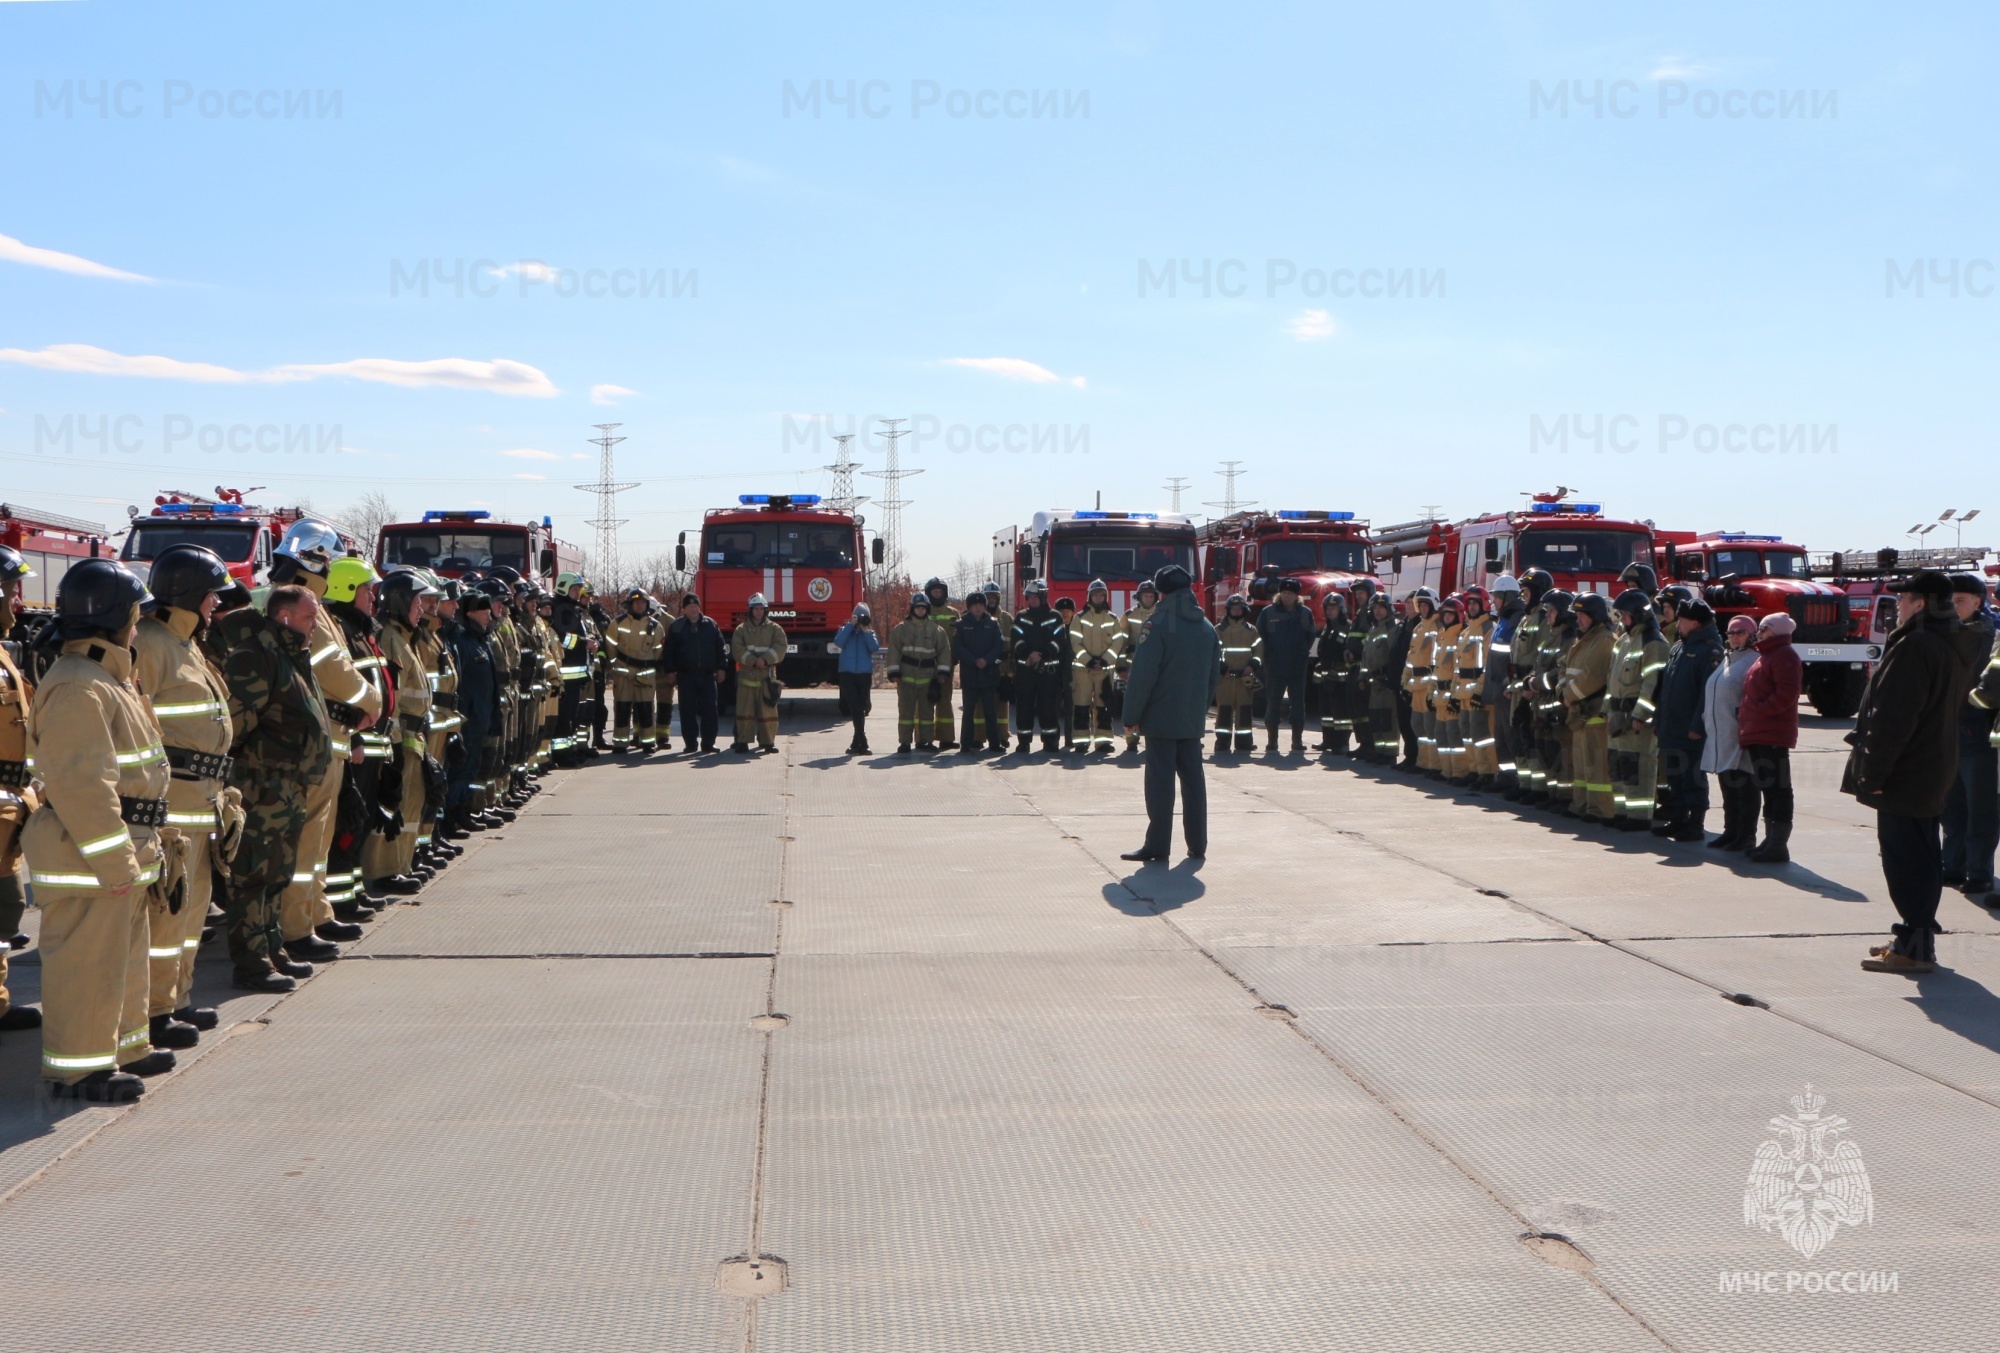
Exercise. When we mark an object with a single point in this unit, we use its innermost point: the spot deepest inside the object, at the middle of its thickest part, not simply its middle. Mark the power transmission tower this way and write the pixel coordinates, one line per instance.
(843, 498)
(892, 474)
(1176, 486)
(1230, 503)
(607, 490)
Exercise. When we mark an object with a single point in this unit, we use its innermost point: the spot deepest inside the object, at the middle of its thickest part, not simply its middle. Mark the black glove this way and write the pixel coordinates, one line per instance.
(454, 751)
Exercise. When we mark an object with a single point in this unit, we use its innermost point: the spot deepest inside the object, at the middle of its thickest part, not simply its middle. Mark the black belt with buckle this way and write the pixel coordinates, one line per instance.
(344, 714)
(192, 765)
(14, 774)
(143, 812)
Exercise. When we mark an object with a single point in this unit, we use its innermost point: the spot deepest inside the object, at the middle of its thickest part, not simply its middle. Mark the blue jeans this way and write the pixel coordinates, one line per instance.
(1169, 760)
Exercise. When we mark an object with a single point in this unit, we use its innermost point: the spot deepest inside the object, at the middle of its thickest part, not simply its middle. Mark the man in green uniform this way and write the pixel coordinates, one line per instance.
(1174, 675)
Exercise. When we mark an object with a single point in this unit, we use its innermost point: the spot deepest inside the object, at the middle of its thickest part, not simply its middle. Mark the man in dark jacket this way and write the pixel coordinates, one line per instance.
(1042, 661)
(978, 645)
(1174, 675)
(700, 659)
(1972, 813)
(478, 705)
(1767, 728)
(1287, 629)
(1689, 662)
(1399, 657)
(1905, 758)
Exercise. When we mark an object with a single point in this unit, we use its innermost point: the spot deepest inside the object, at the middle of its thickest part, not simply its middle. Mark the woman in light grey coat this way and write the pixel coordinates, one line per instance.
(1721, 756)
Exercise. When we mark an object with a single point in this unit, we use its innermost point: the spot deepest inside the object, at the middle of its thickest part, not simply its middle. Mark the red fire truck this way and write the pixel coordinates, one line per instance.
(807, 561)
(243, 534)
(1583, 550)
(1249, 552)
(1743, 574)
(455, 541)
(50, 542)
(1068, 548)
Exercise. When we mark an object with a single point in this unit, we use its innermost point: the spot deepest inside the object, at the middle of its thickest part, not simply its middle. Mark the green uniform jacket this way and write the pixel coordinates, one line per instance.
(1174, 671)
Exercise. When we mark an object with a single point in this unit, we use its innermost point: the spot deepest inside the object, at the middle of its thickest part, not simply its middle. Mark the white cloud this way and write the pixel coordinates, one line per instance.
(1015, 369)
(532, 269)
(14, 251)
(1310, 326)
(529, 453)
(581, 455)
(499, 376)
(609, 394)
(531, 476)
(1679, 68)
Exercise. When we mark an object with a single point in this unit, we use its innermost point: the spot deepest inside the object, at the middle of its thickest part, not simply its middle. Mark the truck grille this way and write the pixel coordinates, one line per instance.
(1820, 620)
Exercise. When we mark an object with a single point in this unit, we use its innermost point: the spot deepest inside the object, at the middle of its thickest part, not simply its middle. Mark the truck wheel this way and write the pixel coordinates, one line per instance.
(1835, 691)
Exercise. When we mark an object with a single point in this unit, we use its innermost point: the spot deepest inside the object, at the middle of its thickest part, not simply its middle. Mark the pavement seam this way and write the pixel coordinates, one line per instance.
(1624, 947)
(1360, 1082)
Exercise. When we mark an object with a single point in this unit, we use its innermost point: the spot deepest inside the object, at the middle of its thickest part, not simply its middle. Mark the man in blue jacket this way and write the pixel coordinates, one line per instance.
(1174, 674)
(857, 643)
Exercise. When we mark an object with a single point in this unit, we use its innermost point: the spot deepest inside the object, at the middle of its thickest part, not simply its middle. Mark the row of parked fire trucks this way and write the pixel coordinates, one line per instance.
(1838, 601)
(810, 562)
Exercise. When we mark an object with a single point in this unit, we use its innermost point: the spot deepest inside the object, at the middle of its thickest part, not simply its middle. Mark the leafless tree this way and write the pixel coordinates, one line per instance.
(365, 518)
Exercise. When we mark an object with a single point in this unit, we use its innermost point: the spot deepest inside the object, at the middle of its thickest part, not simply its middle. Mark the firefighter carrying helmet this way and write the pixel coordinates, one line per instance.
(311, 543)
(346, 576)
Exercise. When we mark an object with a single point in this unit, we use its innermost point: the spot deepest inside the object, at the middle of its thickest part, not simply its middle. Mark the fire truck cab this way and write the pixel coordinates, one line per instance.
(452, 542)
(1739, 573)
(807, 561)
(50, 543)
(1069, 547)
(1578, 546)
(242, 534)
(1250, 552)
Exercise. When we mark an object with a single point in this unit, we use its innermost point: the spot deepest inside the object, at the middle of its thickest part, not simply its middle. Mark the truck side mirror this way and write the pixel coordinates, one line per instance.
(1493, 567)
(548, 561)
(879, 551)
(680, 558)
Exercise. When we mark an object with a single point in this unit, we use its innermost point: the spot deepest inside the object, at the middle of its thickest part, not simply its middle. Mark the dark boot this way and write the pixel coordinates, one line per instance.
(158, 1062)
(1691, 827)
(268, 983)
(101, 1087)
(203, 1018)
(1246, 743)
(1773, 851)
(167, 1032)
(1221, 743)
(311, 949)
(20, 1017)
(337, 931)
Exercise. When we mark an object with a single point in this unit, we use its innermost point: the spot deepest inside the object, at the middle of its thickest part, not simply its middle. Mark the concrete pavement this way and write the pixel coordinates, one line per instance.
(1390, 1070)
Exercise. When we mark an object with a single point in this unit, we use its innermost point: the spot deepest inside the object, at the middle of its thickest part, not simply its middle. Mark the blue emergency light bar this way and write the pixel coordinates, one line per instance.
(1314, 515)
(795, 499)
(1569, 507)
(547, 525)
(173, 509)
(1116, 516)
(186, 509)
(457, 514)
(1734, 537)
(228, 509)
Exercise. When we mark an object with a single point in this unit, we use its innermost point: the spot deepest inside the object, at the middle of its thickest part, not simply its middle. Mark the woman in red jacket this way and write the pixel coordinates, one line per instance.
(1768, 729)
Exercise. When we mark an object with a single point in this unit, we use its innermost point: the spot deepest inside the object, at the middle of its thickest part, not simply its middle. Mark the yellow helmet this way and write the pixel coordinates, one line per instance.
(348, 575)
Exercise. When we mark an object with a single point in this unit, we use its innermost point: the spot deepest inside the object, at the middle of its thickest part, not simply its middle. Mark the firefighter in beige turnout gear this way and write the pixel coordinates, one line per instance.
(757, 645)
(1236, 690)
(638, 639)
(1097, 644)
(95, 846)
(191, 705)
(916, 649)
(17, 795)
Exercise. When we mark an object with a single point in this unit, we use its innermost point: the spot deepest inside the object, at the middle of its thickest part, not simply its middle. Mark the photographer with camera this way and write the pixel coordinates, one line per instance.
(857, 644)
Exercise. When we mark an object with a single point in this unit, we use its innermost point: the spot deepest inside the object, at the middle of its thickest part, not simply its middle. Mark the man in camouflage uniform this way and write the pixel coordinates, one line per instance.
(283, 745)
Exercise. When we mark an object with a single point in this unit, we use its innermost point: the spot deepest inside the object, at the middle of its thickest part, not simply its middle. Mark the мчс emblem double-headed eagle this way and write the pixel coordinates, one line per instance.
(1805, 1182)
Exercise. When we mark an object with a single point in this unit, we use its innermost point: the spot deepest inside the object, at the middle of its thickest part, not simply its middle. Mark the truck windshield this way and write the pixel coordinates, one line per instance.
(1735, 563)
(1123, 556)
(1784, 564)
(233, 541)
(456, 551)
(1567, 551)
(778, 544)
(1302, 554)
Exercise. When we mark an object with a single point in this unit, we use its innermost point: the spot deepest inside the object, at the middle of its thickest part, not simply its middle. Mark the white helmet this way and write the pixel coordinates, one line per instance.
(756, 600)
(1506, 582)
(310, 542)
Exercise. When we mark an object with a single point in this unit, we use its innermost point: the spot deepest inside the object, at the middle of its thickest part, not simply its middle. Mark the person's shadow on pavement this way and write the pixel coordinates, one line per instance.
(1954, 1001)
(1154, 888)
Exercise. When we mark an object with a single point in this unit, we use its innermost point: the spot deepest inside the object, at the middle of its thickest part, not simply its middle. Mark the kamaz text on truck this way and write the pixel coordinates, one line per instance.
(1755, 575)
(808, 563)
(1250, 552)
(452, 542)
(1578, 546)
(1068, 548)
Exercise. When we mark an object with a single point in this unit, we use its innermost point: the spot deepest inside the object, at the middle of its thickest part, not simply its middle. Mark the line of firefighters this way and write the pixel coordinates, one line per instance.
(1524, 689)
(180, 756)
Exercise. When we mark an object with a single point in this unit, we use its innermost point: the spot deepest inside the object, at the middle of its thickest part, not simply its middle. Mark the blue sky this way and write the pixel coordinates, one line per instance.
(1647, 263)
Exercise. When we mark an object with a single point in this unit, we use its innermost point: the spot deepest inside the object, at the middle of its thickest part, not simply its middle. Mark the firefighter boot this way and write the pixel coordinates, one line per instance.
(203, 1018)
(1221, 743)
(101, 1087)
(165, 1031)
(1246, 744)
